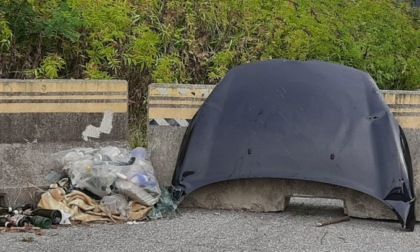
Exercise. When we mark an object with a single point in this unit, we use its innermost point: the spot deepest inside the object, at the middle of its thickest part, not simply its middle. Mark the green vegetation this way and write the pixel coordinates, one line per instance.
(188, 41)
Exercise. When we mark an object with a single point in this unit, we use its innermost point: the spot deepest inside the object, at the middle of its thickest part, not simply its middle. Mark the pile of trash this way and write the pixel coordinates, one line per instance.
(105, 184)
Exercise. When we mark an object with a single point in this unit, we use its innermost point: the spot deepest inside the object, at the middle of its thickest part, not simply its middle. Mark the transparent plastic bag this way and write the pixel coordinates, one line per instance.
(78, 170)
(96, 178)
(68, 156)
(116, 204)
(139, 176)
(145, 180)
(96, 171)
(140, 152)
(135, 192)
(113, 154)
(99, 185)
(146, 166)
(137, 184)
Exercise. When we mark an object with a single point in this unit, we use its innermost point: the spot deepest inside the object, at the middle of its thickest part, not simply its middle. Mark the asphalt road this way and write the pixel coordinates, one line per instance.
(217, 230)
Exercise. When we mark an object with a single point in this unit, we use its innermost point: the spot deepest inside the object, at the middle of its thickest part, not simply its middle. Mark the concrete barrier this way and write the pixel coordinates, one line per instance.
(171, 108)
(41, 117)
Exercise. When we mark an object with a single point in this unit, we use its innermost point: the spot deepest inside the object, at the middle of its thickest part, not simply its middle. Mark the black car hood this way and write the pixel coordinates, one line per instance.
(312, 120)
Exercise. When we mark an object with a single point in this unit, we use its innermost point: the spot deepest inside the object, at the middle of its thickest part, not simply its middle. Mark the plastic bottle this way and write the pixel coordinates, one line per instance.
(4, 221)
(54, 215)
(142, 180)
(41, 222)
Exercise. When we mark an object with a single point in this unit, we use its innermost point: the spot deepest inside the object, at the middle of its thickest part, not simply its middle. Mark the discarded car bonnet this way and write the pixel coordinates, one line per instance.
(312, 120)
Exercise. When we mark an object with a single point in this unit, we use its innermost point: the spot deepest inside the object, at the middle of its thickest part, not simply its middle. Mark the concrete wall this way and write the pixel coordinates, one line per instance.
(41, 117)
(171, 108)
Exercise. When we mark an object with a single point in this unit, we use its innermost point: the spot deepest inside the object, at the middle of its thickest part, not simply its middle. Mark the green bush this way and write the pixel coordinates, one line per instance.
(188, 41)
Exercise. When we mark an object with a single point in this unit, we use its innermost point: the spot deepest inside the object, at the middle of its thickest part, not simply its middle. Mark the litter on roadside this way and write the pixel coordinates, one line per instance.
(107, 184)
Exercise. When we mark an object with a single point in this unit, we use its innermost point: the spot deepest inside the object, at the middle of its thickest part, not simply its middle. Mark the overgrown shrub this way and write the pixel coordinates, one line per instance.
(188, 41)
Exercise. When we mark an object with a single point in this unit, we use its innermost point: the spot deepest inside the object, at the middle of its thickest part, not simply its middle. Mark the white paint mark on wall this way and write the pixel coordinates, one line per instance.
(106, 124)
(105, 127)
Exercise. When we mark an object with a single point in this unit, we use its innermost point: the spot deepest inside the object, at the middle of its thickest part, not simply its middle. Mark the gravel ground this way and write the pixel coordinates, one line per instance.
(217, 230)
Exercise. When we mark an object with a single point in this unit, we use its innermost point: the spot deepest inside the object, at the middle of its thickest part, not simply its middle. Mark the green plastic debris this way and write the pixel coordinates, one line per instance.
(165, 207)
